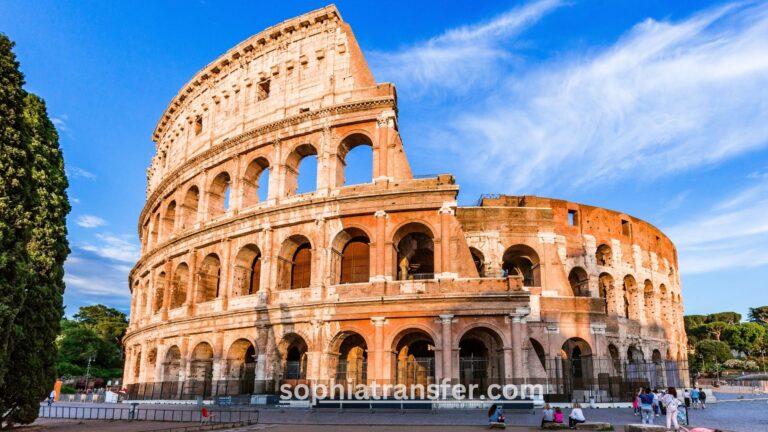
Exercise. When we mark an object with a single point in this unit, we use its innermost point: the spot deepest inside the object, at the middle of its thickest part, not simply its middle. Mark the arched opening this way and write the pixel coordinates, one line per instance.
(522, 261)
(665, 303)
(143, 300)
(635, 354)
(189, 208)
(137, 366)
(219, 194)
(247, 271)
(536, 361)
(169, 220)
(256, 182)
(604, 255)
(295, 263)
(605, 282)
(301, 170)
(579, 280)
(240, 367)
(201, 369)
(649, 302)
(159, 292)
(631, 309)
(172, 364)
(615, 359)
(355, 152)
(293, 352)
(658, 375)
(350, 257)
(479, 260)
(415, 249)
(155, 230)
(481, 359)
(352, 360)
(301, 268)
(576, 355)
(210, 276)
(415, 359)
(179, 286)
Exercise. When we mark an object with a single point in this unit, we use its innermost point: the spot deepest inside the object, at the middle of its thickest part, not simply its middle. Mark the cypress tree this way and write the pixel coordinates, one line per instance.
(38, 322)
(15, 197)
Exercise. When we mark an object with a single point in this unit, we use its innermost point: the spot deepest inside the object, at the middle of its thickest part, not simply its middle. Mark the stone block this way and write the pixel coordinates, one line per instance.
(644, 428)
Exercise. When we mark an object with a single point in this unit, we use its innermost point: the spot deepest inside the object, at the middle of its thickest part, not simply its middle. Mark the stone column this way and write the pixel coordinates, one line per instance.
(189, 302)
(218, 356)
(518, 331)
(380, 250)
(447, 344)
(385, 124)
(268, 262)
(167, 286)
(376, 370)
(446, 214)
(225, 281)
(262, 337)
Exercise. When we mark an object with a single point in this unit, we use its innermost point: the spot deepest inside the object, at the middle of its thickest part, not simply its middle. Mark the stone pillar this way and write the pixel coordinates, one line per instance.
(167, 286)
(446, 213)
(262, 337)
(226, 278)
(376, 371)
(547, 240)
(518, 331)
(268, 262)
(447, 344)
(218, 356)
(380, 250)
(159, 358)
(191, 298)
(384, 127)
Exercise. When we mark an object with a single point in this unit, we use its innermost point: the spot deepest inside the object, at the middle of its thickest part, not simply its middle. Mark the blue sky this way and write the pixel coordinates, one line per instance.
(656, 108)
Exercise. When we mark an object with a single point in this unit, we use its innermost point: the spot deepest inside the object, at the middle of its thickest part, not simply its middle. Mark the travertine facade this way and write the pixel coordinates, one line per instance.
(388, 280)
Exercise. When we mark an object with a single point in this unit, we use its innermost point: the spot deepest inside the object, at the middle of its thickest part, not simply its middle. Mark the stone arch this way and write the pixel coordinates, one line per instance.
(219, 192)
(607, 292)
(522, 261)
(579, 281)
(537, 359)
(631, 309)
(209, 278)
(292, 164)
(179, 285)
(351, 256)
(478, 258)
(189, 207)
(415, 252)
(414, 358)
(256, 177)
(295, 263)
(172, 364)
(353, 141)
(155, 233)
(169, 219)
(635, 354)
(201, 368)
(665, 303)
(481, 358)
(576, 355)
(144, 299)
(240, 366)
(613, 352)
(160, 282)
(293, 351)
(247, 278)
(650, 301)
(604, 255)
(350, 354)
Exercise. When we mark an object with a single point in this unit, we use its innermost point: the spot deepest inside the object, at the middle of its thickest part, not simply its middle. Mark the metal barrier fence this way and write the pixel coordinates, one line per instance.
(228, 416)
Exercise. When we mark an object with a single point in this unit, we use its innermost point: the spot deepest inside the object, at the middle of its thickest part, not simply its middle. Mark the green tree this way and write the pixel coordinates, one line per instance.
(109, 323)
(714, 330)
(693, 321)
(15, 180)
(726, 317)
(745, 337)
(759, 314)
(711, 350)
(36, 258)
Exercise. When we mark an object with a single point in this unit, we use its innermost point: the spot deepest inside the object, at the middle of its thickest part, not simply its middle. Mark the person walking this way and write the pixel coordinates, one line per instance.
(671, 402)
(51, 398)
(636, 404)
(687, 398)
(702, 398)
(695, 398)
(646, 405)
(656, 397)
(576, 416)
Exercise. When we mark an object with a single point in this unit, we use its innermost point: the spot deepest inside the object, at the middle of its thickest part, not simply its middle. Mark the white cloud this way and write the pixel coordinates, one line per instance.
(74, 172)
(732, 235)
(665, 98)
(90, 221)
(460, 57)
(61, 122)
(96, 285)
(114, 248)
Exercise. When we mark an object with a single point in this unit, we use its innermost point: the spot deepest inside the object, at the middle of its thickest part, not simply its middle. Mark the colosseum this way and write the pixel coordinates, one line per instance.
(246, 283)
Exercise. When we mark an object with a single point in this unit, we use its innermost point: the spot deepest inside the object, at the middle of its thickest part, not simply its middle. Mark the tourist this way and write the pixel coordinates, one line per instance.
(702, 398)
(495, 414)
(52, 397)
(656, 397)
(636, 404)
(646, 405)
(558, 415)
(576, 416)
(548, 415)
(695, 398)
(671, 402)
(687, 398)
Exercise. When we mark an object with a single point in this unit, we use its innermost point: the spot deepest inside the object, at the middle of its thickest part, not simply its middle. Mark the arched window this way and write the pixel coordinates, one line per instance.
(210, 275)
(189, 208)
(522, 261)
(301, 267)
(247, 271)
(355, 261)
(415, 252)
(169, 221)
(155, 230)
(159, 292)
(255, 281)
(355, 154)
(604, 255)
(579, 281)
(256, 182)
(631, 309)
(218, 194)
(649, 301)
(293, 350)
(606, 292)
(301, 170)
(479, 260)
(179, 286)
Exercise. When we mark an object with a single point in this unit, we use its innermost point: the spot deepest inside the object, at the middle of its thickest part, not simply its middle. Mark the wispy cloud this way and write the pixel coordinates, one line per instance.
(118, 248)
(90, 221)
(74, 172)
(458, 58)
(664, 98)
(732, 235)
(61, 122)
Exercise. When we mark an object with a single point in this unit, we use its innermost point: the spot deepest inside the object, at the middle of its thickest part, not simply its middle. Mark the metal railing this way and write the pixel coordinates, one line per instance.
(138, 413)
